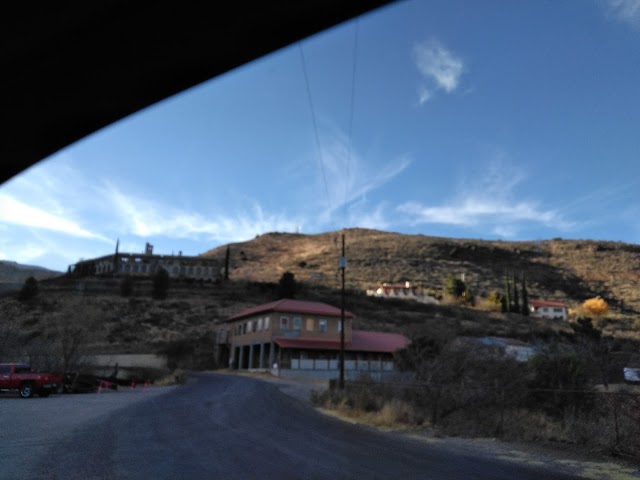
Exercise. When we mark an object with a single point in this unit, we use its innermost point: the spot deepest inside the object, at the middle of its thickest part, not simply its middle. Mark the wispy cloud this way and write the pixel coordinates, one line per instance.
(24, 253)
(350, 178)
(363, 215)
(490, 203)
(145, 218)
(63, 214)
(424, 94)
(17, 212)
(625, 10)
(440, 69)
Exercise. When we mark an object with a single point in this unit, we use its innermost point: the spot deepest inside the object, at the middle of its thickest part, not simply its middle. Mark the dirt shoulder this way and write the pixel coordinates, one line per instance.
(571, 459)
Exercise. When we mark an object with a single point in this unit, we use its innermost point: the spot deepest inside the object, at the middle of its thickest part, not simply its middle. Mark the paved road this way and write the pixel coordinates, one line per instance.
(220, 426)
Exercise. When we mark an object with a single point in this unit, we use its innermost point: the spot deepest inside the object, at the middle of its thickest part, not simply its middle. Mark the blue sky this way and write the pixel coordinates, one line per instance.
(493, 120)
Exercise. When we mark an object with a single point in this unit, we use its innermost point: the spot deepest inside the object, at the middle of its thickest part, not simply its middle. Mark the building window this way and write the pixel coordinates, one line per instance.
(259, 327)
(557, 310)
(175, 270)
(267, 322)
(322, 325)
(309, 325)
(249, 326)
(297, 323)
(198, 270)
(284, 323)
(244, 328)
(340, 324)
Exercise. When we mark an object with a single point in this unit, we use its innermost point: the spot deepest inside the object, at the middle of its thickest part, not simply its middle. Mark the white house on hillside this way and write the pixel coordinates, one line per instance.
(547, 309)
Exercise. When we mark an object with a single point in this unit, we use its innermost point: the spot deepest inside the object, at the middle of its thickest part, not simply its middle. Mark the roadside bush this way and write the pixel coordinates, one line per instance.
(558, 371)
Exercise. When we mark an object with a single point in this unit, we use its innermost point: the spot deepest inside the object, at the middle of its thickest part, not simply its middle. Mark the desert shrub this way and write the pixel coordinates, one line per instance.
(567, 375)
(287, 285)
(160, 284)
(492, 303)
(126, 286)
(29, 290)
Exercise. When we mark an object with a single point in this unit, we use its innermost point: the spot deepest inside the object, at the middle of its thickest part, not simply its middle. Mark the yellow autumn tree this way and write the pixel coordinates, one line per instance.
(595, 307)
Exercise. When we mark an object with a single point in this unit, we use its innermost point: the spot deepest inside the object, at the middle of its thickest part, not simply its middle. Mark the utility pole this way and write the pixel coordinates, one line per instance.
(342, 265)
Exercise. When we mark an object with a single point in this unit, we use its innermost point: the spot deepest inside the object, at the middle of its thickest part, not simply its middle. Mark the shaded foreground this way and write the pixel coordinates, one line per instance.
(230, 427)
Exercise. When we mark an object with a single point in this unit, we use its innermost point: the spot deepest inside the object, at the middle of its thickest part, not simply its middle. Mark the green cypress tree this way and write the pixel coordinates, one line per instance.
(507, 293)
(226, 263)
(525, 297)
(516, 301)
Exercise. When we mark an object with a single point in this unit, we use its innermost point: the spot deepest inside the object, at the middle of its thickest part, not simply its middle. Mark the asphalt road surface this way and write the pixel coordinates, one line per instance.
(227, 427)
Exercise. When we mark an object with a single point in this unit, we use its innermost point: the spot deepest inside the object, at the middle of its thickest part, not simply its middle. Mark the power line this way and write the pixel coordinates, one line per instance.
(351, 109)
(315, 125)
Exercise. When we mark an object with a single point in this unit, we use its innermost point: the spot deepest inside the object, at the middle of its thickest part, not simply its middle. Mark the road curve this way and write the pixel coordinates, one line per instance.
(221, 426)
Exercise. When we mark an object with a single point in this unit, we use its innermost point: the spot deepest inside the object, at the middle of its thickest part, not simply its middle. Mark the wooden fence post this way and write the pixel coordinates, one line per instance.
(615, 418)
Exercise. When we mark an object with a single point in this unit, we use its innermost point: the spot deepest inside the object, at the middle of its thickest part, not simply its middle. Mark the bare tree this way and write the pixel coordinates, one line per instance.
(9, 335)
(76, 325)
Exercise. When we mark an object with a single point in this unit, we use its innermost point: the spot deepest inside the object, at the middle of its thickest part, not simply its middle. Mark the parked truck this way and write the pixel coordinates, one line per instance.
(19, 377)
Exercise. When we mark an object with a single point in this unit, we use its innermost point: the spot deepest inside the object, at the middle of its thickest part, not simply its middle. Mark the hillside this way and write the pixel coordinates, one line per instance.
(568, 270)
(13, 274)
(564, 270)
(184, 322)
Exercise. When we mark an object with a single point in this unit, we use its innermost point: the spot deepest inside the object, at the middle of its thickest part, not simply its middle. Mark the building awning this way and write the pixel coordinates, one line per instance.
(362, 341)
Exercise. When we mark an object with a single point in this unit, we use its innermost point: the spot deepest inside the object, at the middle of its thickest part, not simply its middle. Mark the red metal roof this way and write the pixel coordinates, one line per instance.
(546, 303)
(292, 306)
(361, 341)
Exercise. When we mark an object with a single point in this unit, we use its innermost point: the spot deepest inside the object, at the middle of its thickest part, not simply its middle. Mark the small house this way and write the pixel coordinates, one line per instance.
(548, 309)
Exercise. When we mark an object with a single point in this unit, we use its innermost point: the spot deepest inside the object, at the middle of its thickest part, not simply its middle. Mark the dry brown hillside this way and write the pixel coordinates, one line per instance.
(566, 270)
(569, 270)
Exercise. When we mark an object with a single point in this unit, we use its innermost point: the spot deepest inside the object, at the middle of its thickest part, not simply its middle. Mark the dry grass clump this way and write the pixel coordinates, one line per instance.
(177, 377)
(367, 407)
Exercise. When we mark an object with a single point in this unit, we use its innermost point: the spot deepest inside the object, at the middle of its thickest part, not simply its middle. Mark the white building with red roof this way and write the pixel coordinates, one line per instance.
(303, 337)
(548, 309)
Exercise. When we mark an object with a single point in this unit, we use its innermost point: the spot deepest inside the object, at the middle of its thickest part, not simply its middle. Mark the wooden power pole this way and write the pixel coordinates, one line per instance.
(343, 265)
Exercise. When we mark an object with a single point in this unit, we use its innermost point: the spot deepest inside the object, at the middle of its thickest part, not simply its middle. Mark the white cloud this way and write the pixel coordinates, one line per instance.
(625, 10)
(424, 94)
(364, 216)
(489, 202)
(144, 218)
(349, 177)
(16, 212)
(438, 66)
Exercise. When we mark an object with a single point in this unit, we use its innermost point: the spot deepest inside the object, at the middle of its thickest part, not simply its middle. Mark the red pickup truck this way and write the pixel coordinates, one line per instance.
(18, 376)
